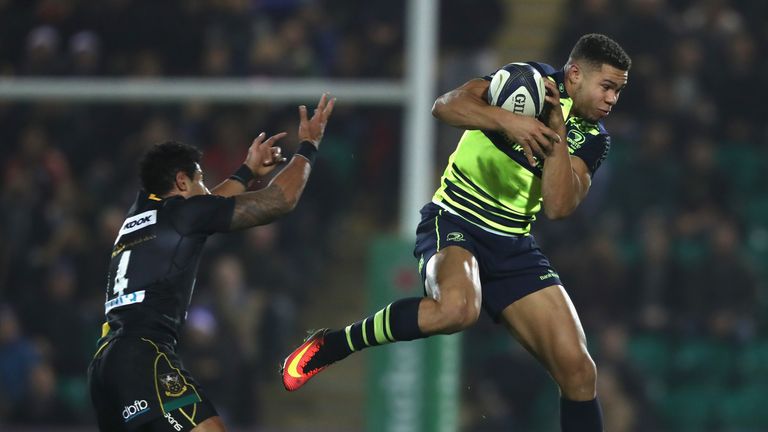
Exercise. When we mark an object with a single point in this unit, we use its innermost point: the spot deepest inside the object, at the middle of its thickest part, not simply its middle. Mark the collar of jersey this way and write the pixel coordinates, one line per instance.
(559, 77)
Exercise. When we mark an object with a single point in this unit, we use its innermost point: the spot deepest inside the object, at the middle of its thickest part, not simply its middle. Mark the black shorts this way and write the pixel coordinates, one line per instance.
(135, 382)
(511, 267)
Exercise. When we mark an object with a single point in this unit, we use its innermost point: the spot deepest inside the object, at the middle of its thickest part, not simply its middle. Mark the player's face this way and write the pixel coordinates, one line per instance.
(198, 187)
(597, 90)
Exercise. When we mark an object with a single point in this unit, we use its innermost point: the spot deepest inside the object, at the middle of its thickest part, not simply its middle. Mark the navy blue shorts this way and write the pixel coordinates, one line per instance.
(511, 267)
(136, 383)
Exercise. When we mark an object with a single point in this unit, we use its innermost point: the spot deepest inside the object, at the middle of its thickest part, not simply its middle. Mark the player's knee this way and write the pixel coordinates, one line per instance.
(576, 372)
(458, 315)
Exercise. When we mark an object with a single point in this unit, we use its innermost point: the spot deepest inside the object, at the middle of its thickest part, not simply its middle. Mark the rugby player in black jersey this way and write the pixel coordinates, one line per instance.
(474, 245)
(137, 381)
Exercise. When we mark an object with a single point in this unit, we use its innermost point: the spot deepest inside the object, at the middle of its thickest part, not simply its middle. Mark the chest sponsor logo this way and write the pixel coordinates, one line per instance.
(455, 236)
(575, 137)
(138, 408)
(137, 222)
(123, 300)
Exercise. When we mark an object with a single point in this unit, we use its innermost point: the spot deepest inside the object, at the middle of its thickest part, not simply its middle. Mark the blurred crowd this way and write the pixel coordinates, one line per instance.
(213, 38)
(665, 261)
(678, 217)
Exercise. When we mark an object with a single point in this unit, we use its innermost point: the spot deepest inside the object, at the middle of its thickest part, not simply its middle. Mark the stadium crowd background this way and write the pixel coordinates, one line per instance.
(665, 261)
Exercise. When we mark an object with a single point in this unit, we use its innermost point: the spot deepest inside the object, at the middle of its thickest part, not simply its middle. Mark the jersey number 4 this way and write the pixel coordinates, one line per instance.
(121, 281)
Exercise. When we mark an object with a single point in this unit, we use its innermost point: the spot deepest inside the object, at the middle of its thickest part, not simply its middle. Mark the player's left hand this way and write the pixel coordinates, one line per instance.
(264, 155)
(553, 112)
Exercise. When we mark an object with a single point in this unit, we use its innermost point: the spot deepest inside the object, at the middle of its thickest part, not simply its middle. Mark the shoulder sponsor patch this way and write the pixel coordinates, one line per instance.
(137, 222)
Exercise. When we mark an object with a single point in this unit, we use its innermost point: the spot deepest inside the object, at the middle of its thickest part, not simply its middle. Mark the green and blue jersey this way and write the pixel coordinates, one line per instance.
(489, 182)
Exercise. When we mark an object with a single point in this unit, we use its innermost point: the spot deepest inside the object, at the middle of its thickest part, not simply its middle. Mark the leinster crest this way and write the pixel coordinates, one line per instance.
(172, 384)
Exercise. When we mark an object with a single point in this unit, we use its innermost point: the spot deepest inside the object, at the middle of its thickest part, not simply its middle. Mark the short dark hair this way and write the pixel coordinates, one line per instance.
(599, 49)
(161, 163)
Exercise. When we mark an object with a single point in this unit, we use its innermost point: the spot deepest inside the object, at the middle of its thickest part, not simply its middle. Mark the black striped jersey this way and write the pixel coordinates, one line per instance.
(489, 182)
(154, 263)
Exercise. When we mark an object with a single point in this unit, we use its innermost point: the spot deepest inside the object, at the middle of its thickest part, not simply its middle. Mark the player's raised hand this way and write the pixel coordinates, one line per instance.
(263, 155)
(312, 129)
(532, 135)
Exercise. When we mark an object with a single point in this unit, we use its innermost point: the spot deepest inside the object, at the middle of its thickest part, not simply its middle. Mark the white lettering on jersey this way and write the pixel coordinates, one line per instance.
(172, 421)
(137, 222)
(136, 409)
(125, 299)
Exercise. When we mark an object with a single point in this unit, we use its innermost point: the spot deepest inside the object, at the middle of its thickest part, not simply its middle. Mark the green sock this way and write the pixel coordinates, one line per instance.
(398, 321)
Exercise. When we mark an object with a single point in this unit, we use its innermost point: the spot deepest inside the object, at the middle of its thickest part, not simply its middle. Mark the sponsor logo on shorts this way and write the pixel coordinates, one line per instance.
(172, 421)
(421, 263)
(455, 236)
(550, 274)
(173, 384)
(138, 408)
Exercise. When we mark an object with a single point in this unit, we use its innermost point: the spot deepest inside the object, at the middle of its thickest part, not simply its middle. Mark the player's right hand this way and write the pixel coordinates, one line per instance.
(312, 129)
(263, 155)
(533, 136)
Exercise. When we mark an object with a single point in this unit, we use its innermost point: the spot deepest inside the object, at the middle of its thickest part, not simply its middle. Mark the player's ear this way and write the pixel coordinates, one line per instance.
(182, 181)
(575, 73)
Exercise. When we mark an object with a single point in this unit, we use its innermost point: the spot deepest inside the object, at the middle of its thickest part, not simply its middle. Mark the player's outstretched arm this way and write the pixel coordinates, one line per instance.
(466, 107)
(283, 192)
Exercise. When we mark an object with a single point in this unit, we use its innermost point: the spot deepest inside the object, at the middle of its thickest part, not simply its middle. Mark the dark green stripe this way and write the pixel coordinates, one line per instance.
(449, 186)
(477, 221)
(472, 184)
(482, 212)
(181, 402)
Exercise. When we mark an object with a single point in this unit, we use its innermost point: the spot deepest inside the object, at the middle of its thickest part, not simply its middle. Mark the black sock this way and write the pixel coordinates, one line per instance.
(581, 416)
(397, 322)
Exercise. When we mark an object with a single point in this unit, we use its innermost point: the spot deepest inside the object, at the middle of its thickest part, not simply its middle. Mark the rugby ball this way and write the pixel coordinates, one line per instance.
(517, 87)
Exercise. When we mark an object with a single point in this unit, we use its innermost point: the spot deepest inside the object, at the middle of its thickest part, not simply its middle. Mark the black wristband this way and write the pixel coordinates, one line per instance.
(243, 174)
(308, 150)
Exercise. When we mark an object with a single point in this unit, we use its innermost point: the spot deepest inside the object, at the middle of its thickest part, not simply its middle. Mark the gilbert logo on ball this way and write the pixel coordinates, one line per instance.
(519, 88)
